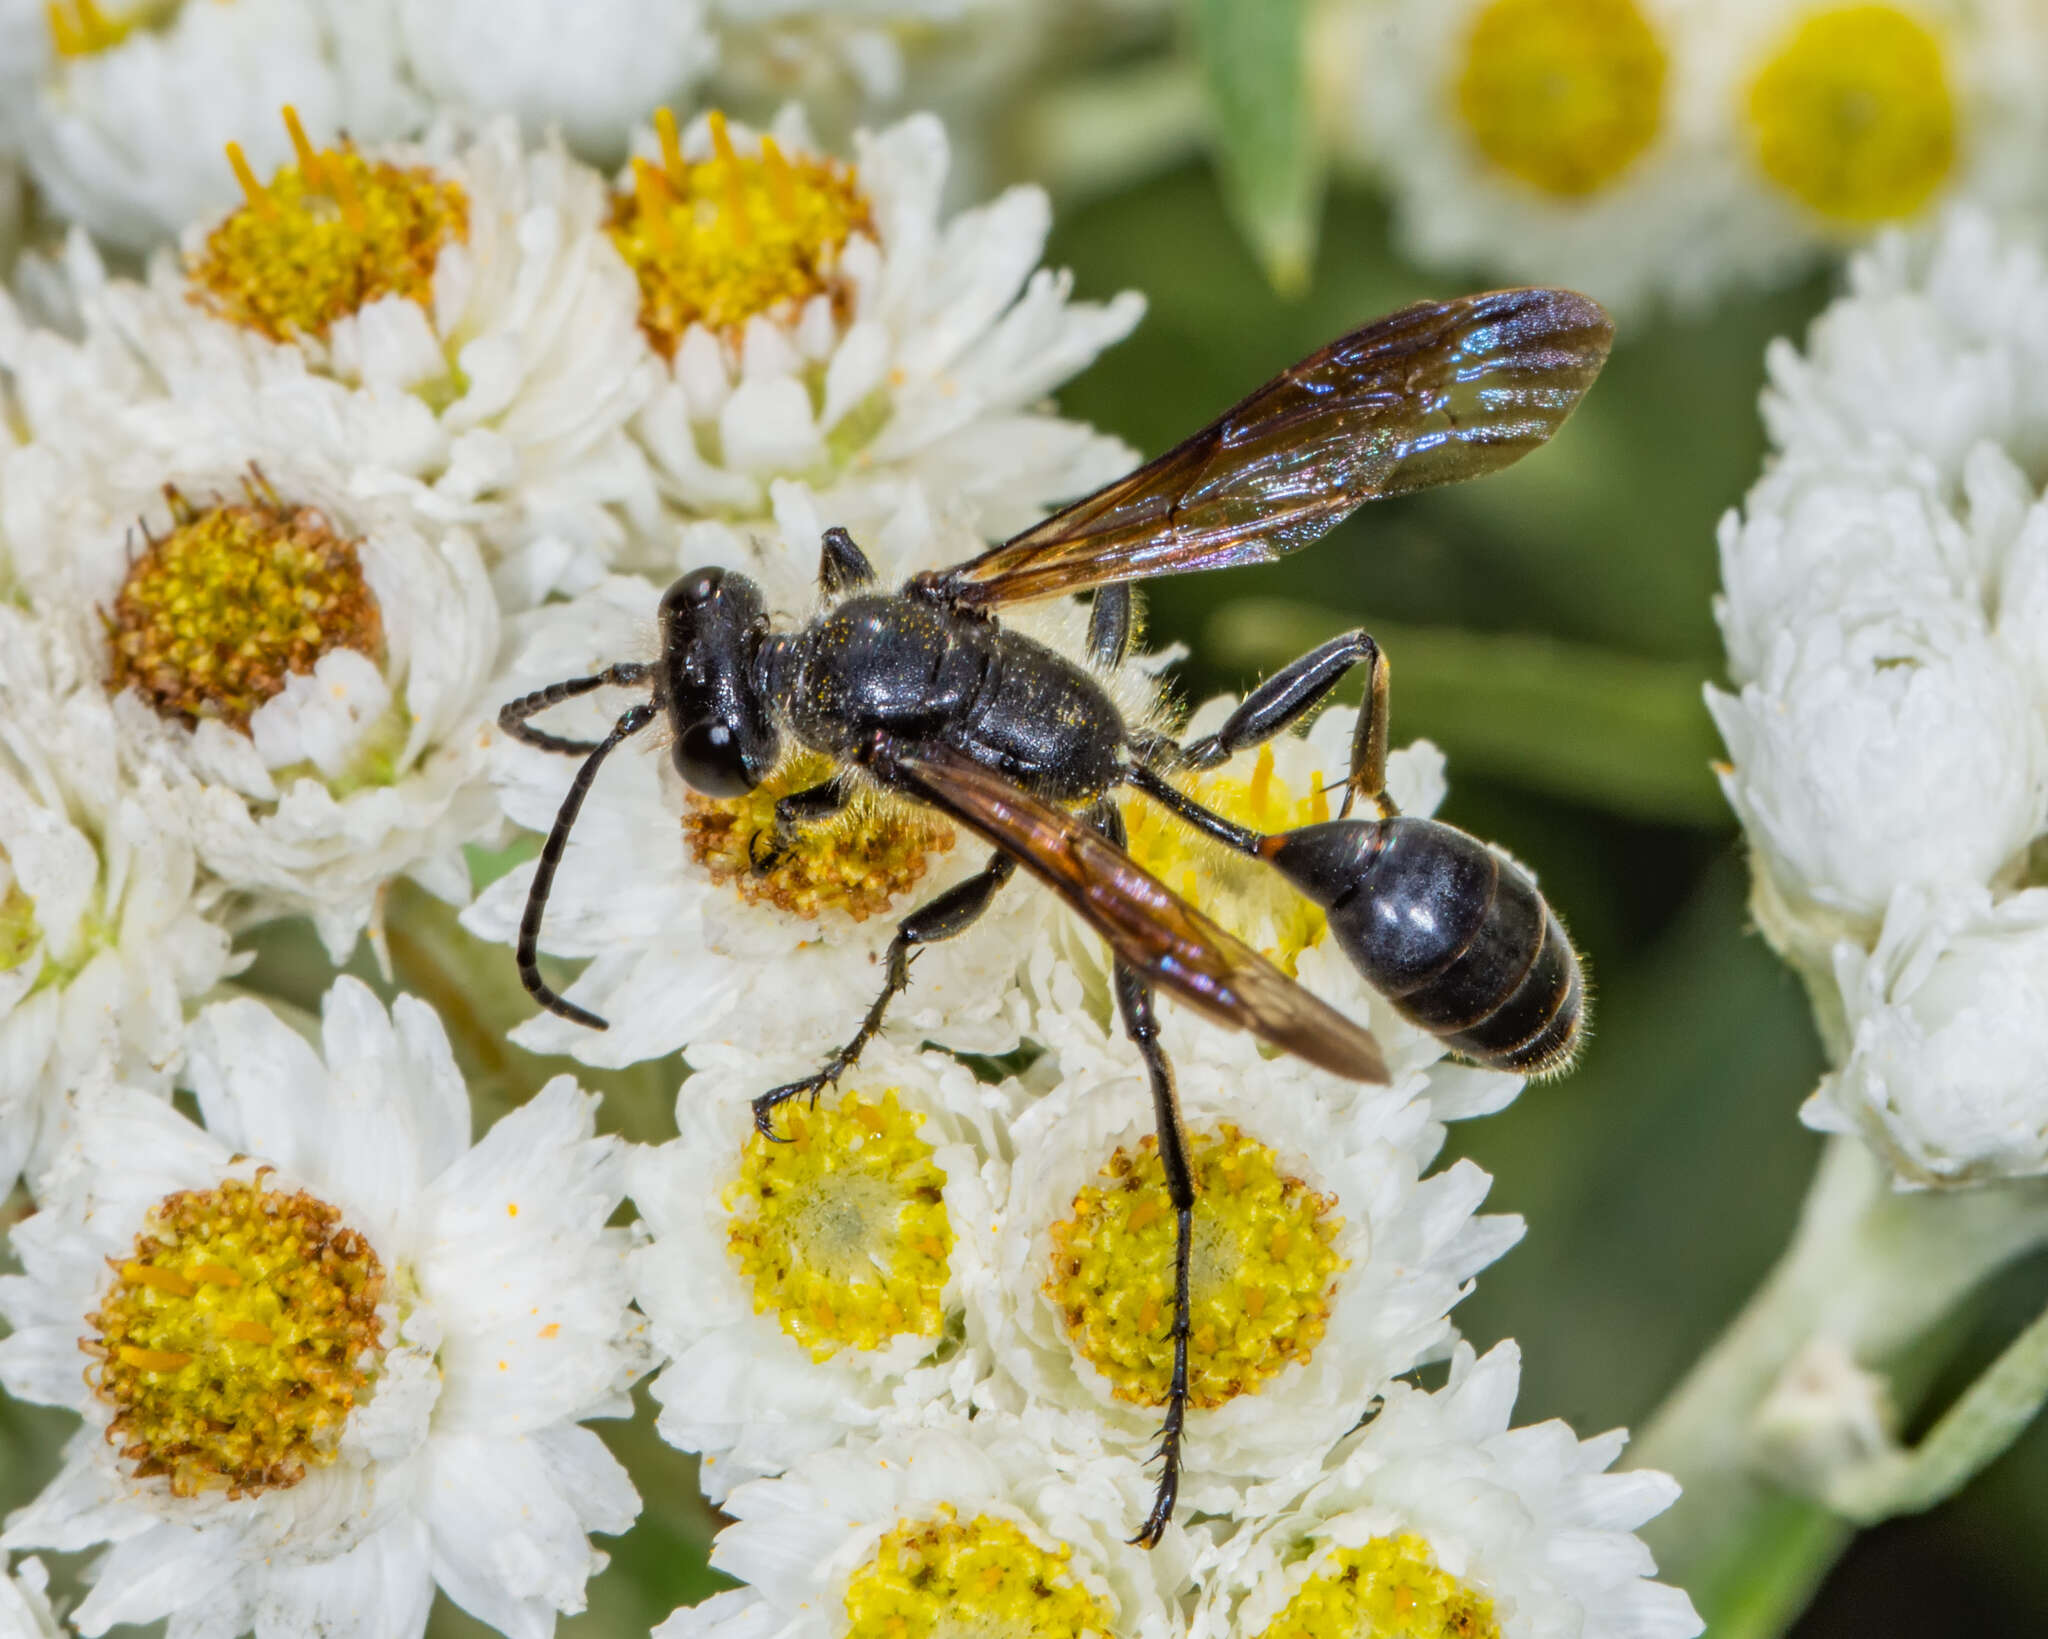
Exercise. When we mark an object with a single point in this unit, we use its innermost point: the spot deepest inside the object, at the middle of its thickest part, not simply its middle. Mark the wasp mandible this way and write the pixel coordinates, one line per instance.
(923, 694)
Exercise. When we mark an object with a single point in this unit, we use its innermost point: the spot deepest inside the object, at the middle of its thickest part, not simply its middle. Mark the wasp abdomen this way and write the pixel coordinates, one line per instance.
(1455, 936)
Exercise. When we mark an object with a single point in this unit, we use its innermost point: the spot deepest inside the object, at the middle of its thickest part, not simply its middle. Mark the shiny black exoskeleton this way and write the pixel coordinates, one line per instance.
(1454, 935)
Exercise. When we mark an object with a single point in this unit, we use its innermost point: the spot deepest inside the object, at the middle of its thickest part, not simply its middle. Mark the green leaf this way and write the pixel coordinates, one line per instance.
(1254, 61)
(1619, 731)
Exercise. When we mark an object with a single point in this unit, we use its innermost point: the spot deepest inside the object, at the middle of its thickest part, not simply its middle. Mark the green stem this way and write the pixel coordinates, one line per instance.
(1871, 1269)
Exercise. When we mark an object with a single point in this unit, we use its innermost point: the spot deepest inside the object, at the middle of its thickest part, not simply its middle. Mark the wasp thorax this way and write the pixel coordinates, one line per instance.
(1264, 1271)
(1853, 115)
(716, 241)
(1242, 894)
(1562, 95)
(236, 1338)
(214, 615)
(858, 865)
(940, 1578)
(1389, 1588)
(325, 237)
(843, 1229)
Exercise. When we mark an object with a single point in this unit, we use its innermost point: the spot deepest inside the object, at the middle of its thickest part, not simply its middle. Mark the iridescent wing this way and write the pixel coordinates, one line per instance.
(1145, 922)
(1433, 394)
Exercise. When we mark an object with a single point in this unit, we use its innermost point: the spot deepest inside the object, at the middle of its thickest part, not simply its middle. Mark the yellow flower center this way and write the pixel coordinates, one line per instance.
(938, 1579)
(1245, 895)
(858, 863)
(216, 614)
(79, 28)
(1562, 94)
(714, 242)
(1389, 1589)
(843, 1228)
(1853, 116)
(1264, 1270)
(236, 1339)
(326, 236)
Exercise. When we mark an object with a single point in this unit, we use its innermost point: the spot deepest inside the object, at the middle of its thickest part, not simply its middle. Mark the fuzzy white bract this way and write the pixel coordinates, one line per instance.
(462, 1306)
(1325, 1263)
(690, 940)
(1440, 1520)
(1884, 592)
(820, 321)
(972, 1524)
(1643, 149)
(155, 529)
(106, 931)
(121, 107)
(814, 1285)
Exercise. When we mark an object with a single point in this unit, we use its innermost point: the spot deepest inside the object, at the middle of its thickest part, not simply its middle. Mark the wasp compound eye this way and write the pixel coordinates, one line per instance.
(711, 757)
(694, 591)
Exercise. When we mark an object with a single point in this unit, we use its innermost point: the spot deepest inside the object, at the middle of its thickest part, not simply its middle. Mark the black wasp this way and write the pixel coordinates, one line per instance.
(922, 694)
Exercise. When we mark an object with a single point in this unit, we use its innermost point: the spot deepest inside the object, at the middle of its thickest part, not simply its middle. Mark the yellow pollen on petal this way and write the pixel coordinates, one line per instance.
(1563, 95)
(80, 28)
(715, 241)
(1853, 114)
(842, 1230)
(1256, 1229)
(859, 863)
(1246, 895)
(214, 615)
(1391, 1588)
(238, 1385)
(326, 235)
(937, 1578)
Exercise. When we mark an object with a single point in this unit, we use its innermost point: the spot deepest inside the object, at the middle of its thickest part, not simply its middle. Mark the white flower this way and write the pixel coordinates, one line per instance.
(625, 57)
(1450, 1521)
(332, 762)
(122, 116)
(1325, 1263)
(1948, 1023)
(973, 1525)
(1581, 142)
(1901, 749)
(821, 323)
(25, 1602)
(104, 927)
(466, 1306)
(493, 330)
(690, 944)
(806, 1290)
(1293, 780)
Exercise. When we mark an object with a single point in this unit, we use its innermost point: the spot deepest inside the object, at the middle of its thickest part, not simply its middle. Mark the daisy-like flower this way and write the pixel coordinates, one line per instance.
(104, 927)
(1576, 141)
(1325, 1264)
(816, 320)
(1946, 1025)
(121, 107)
(25, 1602)
(691, 940)
(1441, 1522)
(972, 1527)
(466, 285)
(629, 57)
(335, 1354)
(1883, 589)
(306, 665)
(813, 1287)
(1286, 783)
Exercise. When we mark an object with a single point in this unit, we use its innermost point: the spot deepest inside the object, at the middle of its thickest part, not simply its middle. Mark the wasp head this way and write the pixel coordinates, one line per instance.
(712, 624)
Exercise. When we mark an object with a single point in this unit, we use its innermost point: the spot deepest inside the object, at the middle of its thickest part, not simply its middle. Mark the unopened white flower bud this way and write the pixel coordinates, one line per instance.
(1824, 1414)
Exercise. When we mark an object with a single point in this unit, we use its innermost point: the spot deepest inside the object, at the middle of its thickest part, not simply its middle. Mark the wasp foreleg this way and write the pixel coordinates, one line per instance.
(952, 912)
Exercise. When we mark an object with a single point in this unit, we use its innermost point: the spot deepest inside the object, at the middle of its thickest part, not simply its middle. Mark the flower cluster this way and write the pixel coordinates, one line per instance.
(119, 109)
(415, 428)
(1883, 609)
(1670, 148)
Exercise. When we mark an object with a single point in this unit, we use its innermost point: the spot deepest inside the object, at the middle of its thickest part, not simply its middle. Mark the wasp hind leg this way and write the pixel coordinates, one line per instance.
(951, 913)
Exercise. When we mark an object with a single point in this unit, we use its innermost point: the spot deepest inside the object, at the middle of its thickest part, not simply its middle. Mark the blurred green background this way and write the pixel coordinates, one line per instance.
(1551, 628)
